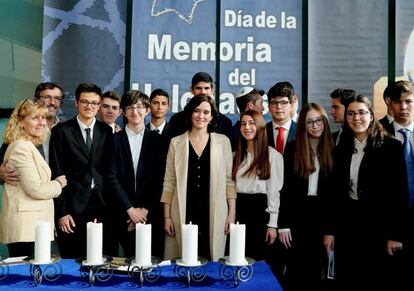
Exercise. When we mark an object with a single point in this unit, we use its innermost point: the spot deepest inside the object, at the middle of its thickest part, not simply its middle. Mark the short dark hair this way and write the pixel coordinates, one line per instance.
(343, 95)
(133, 96)
(282, 89)
(399, 88)
(46, 86)
(111, 95)
(201, 77)
(242, 101)
(87, 87)
(159, 92)
(193, 104)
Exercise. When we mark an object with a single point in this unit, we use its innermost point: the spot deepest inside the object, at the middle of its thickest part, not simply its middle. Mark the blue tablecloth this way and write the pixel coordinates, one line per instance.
(19, 279)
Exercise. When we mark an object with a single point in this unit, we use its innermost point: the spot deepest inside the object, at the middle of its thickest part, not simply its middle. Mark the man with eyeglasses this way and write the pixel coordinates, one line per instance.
(282, 128)
(136, 168)
(110, 109)
(50, 95)
(77, 149)
(339, 97)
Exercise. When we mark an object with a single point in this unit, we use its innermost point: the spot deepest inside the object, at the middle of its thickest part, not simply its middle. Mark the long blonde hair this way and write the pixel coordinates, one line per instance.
(15, 131)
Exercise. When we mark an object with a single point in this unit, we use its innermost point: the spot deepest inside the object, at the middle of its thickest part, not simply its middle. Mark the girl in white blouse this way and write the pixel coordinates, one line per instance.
(258, 173)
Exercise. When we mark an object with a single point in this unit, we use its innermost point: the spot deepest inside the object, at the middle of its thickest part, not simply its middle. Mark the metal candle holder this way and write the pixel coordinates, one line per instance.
(50, 271)
(139, 274)
(4, 269)
(237, 273)
(101, 272)
(195, 273)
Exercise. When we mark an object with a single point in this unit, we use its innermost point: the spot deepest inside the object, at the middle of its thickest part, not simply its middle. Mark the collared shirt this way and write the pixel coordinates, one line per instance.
(313, 179)
(83, 127)
(135, 144)
(399, 135)
(355, 165)
(160, 128)
(253, 185)
(286, 126)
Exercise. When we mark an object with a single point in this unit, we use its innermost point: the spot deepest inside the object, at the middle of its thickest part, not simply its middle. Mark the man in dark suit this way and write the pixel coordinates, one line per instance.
(280, 98)
(77, 150)
(159, 104)
(201, 83)
(339, 97)
(135, 174)
(387, 120)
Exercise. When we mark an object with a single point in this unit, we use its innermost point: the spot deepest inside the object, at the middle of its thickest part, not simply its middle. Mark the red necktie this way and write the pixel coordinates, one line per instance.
(280, 140)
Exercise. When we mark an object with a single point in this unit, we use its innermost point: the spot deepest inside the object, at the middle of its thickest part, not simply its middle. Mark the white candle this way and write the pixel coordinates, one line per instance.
(94, 243)
(190, 244)
(142, 244)
(237, 244)
(42, 242)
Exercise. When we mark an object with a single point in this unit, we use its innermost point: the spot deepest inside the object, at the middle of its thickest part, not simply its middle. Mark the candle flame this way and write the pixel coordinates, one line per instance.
(95, 220)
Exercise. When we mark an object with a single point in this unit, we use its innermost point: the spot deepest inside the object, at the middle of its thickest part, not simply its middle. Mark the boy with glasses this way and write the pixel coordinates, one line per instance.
(77, 149)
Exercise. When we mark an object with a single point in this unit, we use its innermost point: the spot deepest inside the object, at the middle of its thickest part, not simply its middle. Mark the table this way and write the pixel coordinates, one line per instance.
(19, 279)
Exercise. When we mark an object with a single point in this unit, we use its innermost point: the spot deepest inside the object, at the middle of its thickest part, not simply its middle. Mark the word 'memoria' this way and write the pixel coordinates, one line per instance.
(142, 244)
(94, 243)
(237, 244)
(190, 244)
(42, 242)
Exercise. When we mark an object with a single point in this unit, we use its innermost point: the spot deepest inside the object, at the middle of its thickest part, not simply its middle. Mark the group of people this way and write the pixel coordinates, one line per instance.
(302, 191)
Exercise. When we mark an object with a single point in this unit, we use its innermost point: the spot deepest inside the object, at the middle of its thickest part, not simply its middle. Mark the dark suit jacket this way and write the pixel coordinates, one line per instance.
(271, 137)
(178, 126)
(150, 173)
(385, 122)
(382, 194)
(293, 196)
(68, 156)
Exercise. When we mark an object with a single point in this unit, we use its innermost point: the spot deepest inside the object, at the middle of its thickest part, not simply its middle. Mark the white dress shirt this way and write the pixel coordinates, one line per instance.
(135, 144)
(253, 185)
(314, 178)
(160, 128)
(355, 165)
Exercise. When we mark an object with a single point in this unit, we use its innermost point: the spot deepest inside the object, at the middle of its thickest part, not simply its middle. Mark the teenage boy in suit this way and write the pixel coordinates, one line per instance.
(77, 150)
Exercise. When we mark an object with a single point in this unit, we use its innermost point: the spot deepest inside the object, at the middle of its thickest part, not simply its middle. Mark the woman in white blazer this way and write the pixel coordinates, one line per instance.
(198, 187)
(30, 200)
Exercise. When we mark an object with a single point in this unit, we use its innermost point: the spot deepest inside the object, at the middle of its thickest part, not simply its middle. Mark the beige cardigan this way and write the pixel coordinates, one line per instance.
(32, 199)
(222, 188)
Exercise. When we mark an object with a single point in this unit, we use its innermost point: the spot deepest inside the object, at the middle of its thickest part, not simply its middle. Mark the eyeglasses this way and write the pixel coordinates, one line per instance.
(360, 113)
(86, 103)
(49, 98)
(282, 103)
(131, 108)
(312, 123)
(107, 106)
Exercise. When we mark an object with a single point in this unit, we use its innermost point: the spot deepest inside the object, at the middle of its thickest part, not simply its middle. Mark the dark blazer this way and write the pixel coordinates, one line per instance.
(150, 173)
(68, 156)
(178, 126)
(382, 194)
(270, 135)
(166, 131)
(389, 127)
(385, 122)
(293, 196)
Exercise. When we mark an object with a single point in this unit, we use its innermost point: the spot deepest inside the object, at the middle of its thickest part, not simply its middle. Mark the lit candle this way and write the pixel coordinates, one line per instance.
(94, 243)
(237, 244)
(142, 244)
(42, 242)
(190, 244)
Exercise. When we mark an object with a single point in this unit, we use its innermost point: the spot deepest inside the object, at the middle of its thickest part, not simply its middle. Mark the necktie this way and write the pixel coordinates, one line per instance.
(409, 161)
(157, 131)
(280, 140)
(88, 139)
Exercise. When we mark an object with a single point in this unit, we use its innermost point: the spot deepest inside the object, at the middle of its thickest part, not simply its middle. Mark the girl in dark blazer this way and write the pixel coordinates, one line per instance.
(308, 169)
(370, 197)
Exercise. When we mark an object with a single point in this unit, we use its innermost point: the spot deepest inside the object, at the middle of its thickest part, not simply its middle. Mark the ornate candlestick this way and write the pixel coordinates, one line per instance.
(192, 272)
(230, 271)
(4, 269)
(139, 273)
(50, 271)
(102, 272)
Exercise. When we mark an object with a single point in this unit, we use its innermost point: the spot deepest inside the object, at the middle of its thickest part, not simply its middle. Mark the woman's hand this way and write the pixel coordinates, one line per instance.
(328, 242)
(271, 235)
(62, 180)
(231, 218)
(169, 226)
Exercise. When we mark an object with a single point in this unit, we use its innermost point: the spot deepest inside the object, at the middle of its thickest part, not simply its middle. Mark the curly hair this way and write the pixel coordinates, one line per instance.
(15, 131)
